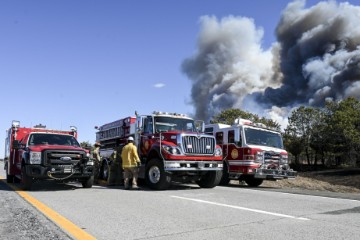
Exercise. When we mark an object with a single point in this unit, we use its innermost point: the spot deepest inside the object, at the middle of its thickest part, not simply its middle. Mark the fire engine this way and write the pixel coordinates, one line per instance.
(38, 153)
(171, 147)
(252, 152)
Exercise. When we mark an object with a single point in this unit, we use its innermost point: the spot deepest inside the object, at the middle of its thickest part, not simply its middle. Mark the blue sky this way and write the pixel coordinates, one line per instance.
(87, 62)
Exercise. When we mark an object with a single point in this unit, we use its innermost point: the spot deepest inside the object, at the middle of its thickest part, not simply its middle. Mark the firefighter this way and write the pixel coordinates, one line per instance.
(130, 164)
(115, 173)
(97, 159)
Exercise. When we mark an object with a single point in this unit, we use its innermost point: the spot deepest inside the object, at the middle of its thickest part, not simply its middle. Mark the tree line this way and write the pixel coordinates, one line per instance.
(315, 136)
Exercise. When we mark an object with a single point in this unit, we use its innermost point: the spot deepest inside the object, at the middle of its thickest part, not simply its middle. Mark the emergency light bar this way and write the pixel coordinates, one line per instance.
(171, 114)
(242, 121)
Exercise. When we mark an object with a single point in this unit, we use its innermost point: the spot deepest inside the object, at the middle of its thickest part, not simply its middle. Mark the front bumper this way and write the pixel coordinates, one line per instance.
(274, 173)
(42, 172)
(193, 165)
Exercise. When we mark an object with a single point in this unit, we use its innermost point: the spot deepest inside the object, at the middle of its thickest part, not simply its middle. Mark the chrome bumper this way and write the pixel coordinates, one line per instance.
(274, 173)
(193, 165)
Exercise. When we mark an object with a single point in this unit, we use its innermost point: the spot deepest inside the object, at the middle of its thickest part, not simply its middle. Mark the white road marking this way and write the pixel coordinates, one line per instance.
(241, 208)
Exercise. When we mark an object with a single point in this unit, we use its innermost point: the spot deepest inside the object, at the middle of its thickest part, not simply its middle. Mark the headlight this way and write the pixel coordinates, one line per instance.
(90, 163)
(172, 150)
(87, 154)
(283, 159)
(259, 156)
(35, 157)
(218, 152)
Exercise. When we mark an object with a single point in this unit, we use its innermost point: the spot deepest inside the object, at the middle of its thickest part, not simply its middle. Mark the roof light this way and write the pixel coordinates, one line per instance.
(73, 128)
(242, 121)
(15, 124)
(40, 126)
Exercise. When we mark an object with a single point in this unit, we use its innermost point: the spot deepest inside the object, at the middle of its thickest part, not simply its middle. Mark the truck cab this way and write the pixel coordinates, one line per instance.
(34, 154)
(171, 147)
(252, 152)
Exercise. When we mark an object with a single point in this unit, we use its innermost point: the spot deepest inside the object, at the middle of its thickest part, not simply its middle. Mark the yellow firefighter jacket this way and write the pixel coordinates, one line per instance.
(129, 155)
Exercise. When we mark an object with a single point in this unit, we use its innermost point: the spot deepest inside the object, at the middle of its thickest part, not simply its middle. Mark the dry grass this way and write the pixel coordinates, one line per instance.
(345, 181)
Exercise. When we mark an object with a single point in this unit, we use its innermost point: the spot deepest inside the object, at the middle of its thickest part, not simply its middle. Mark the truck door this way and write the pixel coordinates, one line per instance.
(146, 134)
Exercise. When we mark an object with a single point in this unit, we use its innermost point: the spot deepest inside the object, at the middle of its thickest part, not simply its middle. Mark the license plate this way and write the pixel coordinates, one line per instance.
(67, 169)
(201, 165)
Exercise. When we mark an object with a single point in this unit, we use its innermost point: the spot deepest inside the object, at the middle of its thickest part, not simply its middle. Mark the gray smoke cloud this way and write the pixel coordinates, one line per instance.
(228, 65)
(319, 55)
(316, 58)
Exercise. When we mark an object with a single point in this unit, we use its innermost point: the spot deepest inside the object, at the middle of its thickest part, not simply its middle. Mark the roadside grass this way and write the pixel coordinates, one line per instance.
(344, 181)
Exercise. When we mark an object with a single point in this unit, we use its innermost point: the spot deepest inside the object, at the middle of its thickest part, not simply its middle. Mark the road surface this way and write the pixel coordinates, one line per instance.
(182, 212)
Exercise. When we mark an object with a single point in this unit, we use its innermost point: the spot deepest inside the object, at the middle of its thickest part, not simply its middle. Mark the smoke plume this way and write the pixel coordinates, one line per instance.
(320, 55)
(316, 58)
(228, 65)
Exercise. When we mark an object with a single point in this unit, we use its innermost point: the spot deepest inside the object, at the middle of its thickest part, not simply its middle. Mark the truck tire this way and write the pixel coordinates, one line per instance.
(26, 181)
(104, 170)
(225, 176)
(155, 175)
(254, 182)
(9, 178)
(88, 182)
(210, 179)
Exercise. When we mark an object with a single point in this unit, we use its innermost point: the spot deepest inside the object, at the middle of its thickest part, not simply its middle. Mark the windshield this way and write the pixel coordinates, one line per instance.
(164, 124)
(52, 139)
(263, 138)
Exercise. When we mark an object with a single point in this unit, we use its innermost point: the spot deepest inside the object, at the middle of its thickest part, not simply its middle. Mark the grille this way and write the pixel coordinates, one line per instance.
(62, 157)
(272, 158)
(194, 145)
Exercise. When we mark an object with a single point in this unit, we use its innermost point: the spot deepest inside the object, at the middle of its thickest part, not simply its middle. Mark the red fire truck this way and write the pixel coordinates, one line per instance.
(38, 153)
(171, 147)
(252, 152)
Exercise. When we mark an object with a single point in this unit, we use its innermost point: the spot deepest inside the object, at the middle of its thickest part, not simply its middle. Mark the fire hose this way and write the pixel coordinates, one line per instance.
(59, 179)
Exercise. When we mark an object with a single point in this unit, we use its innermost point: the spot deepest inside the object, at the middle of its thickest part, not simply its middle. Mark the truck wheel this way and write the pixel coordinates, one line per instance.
(26, 181)
(225, 176)
(9, 178)
(155, 175)
(105, 171)
(254, 182)
(210, 179)
(88, 182)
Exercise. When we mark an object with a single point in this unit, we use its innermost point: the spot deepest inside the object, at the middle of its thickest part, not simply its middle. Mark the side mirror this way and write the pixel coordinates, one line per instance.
(16, 144)
(87, 147)
(237, 137)
(200, 126)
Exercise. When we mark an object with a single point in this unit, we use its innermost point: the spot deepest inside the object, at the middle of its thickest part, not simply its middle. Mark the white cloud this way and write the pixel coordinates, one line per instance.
(159, 85)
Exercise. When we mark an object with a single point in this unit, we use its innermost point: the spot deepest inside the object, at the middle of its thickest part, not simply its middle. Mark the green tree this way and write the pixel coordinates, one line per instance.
(300, 130)
(293, 143)
(344, 128)
(86, 144)
(320, 138)
(229, 115)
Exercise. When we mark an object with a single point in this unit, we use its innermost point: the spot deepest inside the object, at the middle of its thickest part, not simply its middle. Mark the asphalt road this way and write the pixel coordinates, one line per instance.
(188, 212)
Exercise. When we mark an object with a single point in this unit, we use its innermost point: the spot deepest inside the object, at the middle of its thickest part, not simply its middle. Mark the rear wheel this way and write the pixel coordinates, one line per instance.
(87, 183)
(155, 175)
(254, 182)
(210, 179)
(26, 181)
(105, 170)
(9, 178)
